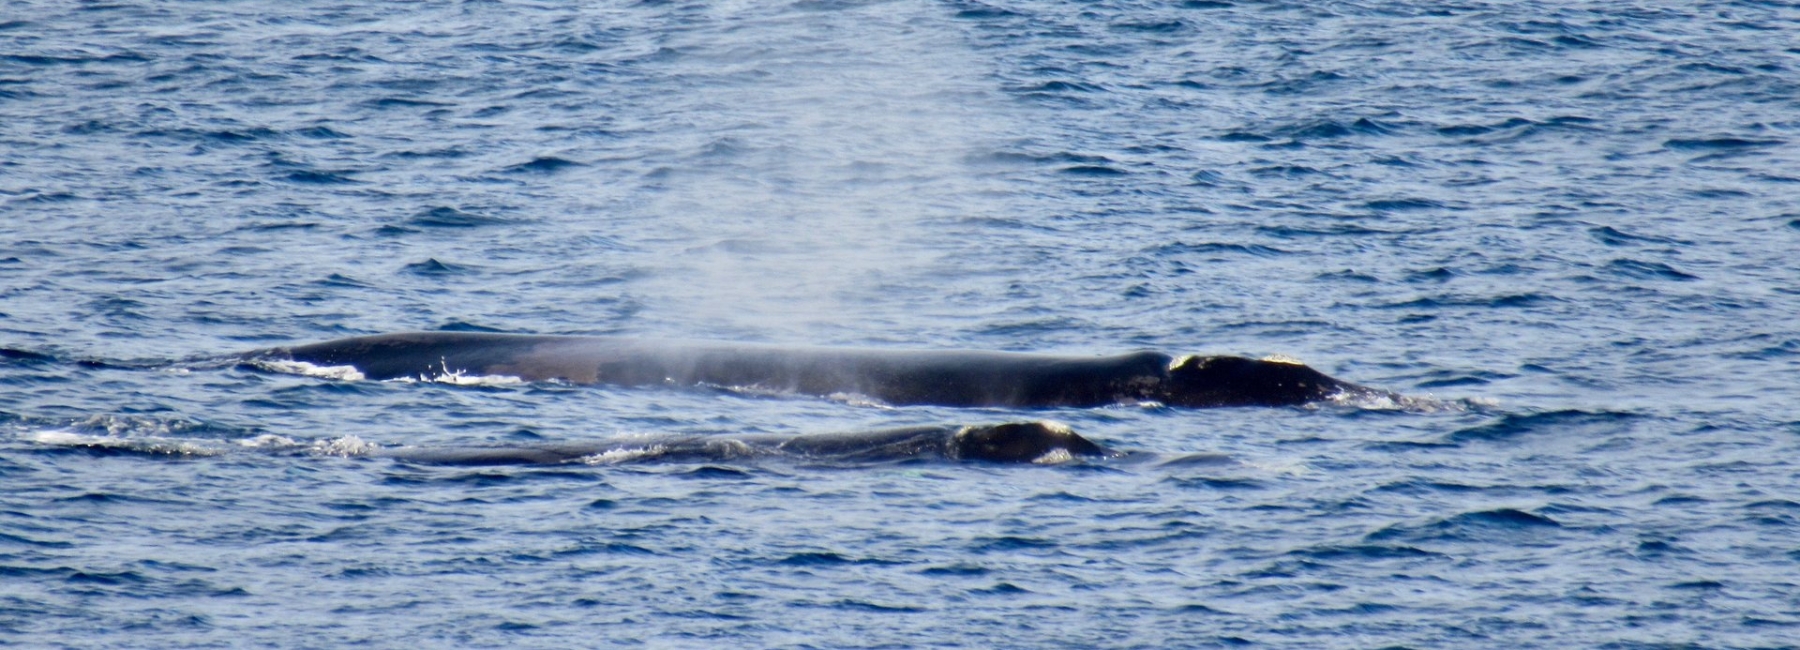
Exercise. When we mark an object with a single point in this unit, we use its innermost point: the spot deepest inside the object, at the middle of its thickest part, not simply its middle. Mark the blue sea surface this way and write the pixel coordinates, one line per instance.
(1570, 229)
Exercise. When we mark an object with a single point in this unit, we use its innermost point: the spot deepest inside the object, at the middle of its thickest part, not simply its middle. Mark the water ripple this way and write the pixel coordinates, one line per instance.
(1571, 224)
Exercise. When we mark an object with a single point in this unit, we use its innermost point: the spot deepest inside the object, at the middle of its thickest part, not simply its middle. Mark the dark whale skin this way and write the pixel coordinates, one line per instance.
(1011, 442)
(897, 377)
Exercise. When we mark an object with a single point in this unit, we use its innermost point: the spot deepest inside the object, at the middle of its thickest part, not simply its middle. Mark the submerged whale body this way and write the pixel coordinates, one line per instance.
(1013, 442)
(898, 377)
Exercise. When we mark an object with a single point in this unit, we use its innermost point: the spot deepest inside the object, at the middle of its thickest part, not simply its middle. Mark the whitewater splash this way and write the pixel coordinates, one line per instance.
(445, 375)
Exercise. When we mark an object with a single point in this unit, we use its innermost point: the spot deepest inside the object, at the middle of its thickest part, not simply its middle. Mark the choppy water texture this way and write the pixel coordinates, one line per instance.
(1573, 222)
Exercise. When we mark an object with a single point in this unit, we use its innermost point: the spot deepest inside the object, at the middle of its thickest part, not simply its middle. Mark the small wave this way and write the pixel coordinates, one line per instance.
(1482, 129)
(1094, 170)
(1244, 136)
(464, 326)
(1364, 552)
(874, 607)
(1481, 524)
(404, 102)
(1402, 204)
(1448, 377)
(712, 472)
(544, 165)
(815, 558)
(24, 357)
(1216, 484)
(433, 267)
(1010, 543)
(956, 570)
(979, 11)
(320, 177)
(1504, 518)
(447, 217)
(1614, 237)
(1284, 171)
(1217, 250)
(1691, 144)
(1639, 269)
(1333, 129)
(1566, 422)
(1152, 27)
(1059, 86)
(10, 540)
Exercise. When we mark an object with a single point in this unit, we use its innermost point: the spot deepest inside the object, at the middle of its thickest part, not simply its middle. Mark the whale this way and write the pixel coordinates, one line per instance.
(898, 377)
(1041, 442)
(1038, 442)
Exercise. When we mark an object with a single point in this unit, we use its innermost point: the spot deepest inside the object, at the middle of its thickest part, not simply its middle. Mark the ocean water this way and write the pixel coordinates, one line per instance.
(1570, 228)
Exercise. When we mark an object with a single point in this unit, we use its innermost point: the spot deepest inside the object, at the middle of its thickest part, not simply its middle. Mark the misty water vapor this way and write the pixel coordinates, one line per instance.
(811, 163)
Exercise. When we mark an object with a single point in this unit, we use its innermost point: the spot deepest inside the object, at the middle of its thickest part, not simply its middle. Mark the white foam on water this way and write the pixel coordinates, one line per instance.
(460, 378)
(156, 445)
(444, 375)
(341, 373)
(59, 438)
(344, 447)
(132, 425)
(268, 441)
(1379, 400)
(859, 399)
(617, 456)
